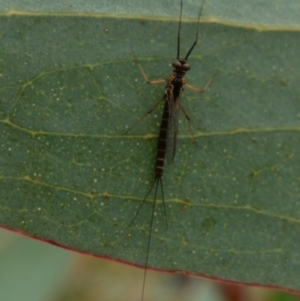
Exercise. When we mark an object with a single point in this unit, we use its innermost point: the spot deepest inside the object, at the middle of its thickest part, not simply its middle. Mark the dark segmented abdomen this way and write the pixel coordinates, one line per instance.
(162, 143)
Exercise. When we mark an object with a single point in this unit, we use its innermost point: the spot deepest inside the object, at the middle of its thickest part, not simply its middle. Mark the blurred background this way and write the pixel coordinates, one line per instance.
(36, 271)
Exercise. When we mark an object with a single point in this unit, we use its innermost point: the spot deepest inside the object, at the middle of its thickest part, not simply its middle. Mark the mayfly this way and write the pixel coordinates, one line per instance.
(169, 124)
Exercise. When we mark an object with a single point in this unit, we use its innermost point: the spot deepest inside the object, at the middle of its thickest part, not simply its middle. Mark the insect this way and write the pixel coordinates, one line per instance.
(169, 124)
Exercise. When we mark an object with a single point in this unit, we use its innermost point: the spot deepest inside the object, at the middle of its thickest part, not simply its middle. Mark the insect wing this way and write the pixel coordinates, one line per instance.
(174, 106)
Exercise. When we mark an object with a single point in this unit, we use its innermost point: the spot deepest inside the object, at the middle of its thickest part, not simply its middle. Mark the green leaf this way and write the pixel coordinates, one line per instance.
(69, 88)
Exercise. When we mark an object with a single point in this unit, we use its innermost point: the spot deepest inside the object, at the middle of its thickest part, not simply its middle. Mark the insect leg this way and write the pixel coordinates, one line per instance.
(150, 82)
(145, 115)
(189, 121)
(206, 86)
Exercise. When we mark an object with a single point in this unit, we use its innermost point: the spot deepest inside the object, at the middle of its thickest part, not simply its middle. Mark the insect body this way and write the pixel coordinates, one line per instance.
(169, 124)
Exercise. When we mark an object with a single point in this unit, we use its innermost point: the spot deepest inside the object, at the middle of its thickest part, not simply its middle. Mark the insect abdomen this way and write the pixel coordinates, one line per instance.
(162, 143)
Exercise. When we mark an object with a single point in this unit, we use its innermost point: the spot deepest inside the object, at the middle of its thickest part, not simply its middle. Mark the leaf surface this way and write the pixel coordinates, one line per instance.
(69, 88)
